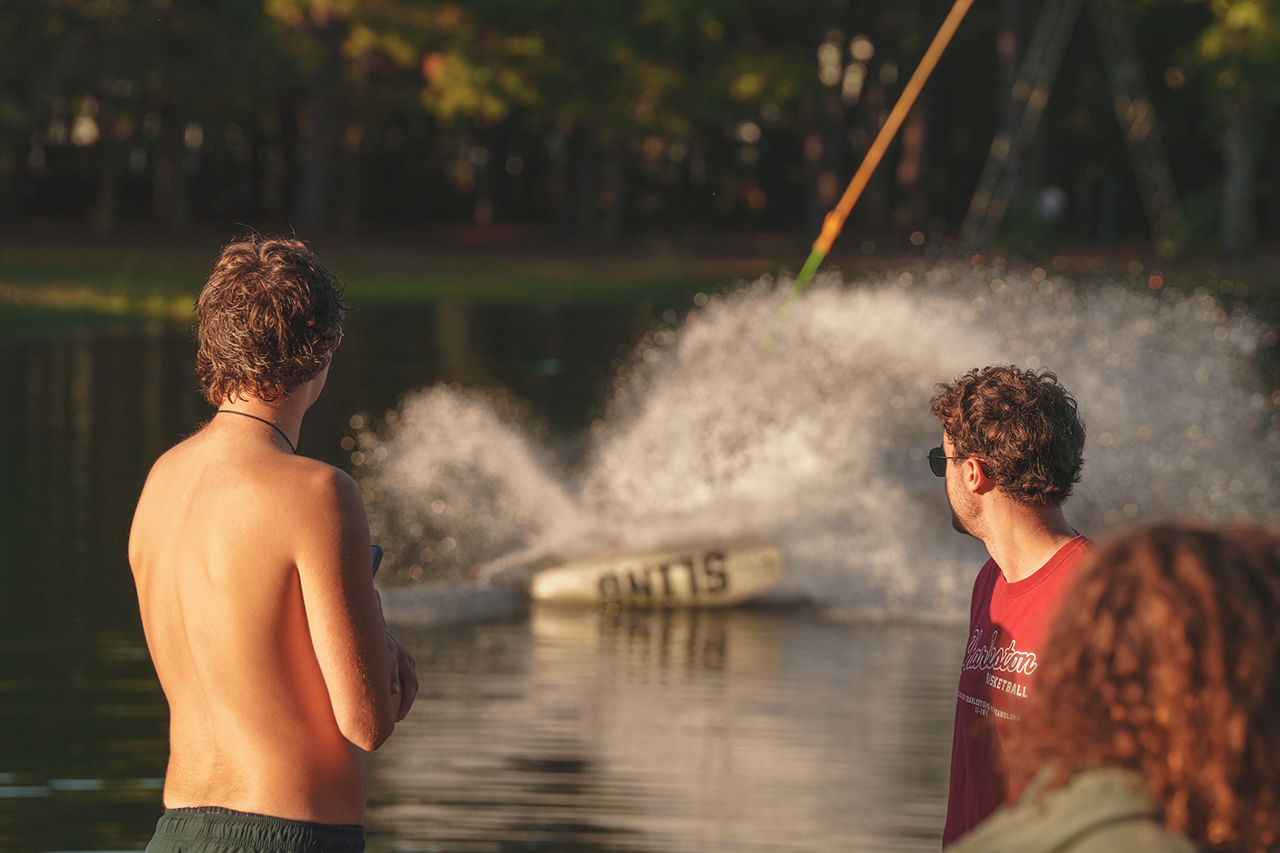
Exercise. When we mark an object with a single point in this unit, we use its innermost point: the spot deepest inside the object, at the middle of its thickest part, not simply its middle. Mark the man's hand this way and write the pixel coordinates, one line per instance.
(404, 675)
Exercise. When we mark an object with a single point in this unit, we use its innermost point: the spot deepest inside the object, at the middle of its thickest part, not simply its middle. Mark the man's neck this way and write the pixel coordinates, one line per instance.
(1021, 539)
(285, 414)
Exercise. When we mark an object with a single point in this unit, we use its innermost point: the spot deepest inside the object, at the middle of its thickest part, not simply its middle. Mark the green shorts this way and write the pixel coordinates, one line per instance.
(218, 830)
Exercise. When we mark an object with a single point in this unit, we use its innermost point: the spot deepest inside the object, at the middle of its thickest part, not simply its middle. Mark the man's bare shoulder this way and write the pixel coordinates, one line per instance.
(303, 507)
(324, 486)
(312, 492)
(318, 501)
(202, 469)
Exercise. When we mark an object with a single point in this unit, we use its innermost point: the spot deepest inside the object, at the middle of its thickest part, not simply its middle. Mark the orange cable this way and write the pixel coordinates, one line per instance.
(835, 219)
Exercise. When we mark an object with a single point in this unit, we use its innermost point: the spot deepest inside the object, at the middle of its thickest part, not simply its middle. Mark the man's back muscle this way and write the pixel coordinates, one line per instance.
(263, 626)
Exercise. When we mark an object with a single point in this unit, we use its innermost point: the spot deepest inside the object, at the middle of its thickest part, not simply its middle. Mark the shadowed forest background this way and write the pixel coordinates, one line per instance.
(596, 120)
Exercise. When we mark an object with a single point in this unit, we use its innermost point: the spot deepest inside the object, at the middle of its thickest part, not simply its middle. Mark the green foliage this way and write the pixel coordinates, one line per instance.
(621, 70)
(1239, 49)
(1243, 45)
(124, 58)
(618, 79)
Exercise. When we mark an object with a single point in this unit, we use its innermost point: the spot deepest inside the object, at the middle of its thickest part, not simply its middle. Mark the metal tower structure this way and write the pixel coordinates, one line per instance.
(998, 183)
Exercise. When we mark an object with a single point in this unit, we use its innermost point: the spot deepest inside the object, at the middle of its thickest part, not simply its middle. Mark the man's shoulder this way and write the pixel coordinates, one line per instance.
(986, 578)
(983, 587)
(1071, 555)
(316, 482)
(178, 456)
(286, 480)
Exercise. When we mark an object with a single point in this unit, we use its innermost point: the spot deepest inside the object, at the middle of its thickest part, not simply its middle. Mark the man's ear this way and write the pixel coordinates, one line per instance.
(974, 477)
(977, 475)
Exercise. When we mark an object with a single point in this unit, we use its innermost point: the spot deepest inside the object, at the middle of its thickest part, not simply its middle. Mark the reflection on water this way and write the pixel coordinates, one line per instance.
(83, 748)
(552, 731)
(673, 731)
(82, 719)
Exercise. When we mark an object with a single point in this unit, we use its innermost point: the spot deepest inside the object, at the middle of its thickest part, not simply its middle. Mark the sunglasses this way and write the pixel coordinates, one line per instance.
(938, 461)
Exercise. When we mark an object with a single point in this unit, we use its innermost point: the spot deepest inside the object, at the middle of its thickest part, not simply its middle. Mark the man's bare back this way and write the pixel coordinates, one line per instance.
(254, 580)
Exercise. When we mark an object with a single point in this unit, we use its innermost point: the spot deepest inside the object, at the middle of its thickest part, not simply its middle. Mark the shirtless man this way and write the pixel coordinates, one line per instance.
(254, 579)
(1012, 448)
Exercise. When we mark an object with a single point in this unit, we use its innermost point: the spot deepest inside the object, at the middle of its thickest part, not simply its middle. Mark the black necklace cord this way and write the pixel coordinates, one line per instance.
(292, 449)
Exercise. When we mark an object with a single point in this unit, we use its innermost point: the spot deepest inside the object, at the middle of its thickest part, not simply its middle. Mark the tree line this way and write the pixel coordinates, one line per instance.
(597, 118)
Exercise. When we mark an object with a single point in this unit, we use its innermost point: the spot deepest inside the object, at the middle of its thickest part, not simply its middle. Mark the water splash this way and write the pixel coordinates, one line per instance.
(819, 442)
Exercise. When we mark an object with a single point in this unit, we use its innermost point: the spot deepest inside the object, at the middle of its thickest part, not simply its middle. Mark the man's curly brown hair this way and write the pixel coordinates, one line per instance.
(1022, 425)
(1165, 659)
(269, 318)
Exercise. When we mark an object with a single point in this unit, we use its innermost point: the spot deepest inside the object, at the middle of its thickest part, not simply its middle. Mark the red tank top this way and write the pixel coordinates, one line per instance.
(1008, 623)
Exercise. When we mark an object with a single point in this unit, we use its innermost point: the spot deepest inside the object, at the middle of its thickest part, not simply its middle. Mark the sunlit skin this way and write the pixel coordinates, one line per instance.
(255, 585)
(1020, 538)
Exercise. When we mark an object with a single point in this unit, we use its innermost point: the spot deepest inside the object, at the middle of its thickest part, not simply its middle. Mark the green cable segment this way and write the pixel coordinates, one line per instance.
(834, 220)
(797, 288)
(806, 274)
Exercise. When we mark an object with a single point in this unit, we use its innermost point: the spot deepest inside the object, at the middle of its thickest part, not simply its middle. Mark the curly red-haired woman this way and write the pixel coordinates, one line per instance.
(1156, 719)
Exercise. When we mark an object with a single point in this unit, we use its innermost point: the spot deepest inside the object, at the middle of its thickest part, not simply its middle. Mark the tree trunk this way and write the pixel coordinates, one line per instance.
(485, 164)
(561, 143)
(169, 200)
(104, 220)
(1086, 175)
(322, 102)
(8, 194)
(824, 158)
(575, 216)
(876, 195)
(585, 187)
(1271, 155)
(824, 154)
(1008, 55)
(164, 176)
(827, 138)
(1239, 167)
(272, 181)
(349, 215)
(832, 176)
(913, 209)
(616, 175)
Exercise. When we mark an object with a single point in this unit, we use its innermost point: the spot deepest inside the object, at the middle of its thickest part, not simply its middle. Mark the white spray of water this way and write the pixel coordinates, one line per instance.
(819, 442)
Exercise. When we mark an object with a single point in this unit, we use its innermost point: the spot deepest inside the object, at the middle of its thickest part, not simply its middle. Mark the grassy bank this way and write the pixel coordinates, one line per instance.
(56, 280)
(161, 280)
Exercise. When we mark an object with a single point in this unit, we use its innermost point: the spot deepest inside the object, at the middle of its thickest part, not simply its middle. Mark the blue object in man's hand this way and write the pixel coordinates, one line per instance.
(377, 558)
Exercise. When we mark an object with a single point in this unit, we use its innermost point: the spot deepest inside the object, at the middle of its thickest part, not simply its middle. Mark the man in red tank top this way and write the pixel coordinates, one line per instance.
(1012, 448)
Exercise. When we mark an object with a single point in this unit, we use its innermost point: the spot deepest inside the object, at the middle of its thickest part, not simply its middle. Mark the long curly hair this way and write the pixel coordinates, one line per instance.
(269, 318)
(1023, 425)
(1166, 660)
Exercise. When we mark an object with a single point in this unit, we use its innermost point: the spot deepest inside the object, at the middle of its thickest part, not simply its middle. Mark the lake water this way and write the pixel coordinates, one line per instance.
(791, 727)
(737, 730)
(754, 729)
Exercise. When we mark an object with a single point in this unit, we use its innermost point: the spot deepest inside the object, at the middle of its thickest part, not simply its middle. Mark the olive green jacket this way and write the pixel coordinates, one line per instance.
(1105, 810)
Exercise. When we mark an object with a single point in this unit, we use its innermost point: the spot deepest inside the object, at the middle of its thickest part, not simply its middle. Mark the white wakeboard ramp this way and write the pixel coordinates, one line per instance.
(702, 576)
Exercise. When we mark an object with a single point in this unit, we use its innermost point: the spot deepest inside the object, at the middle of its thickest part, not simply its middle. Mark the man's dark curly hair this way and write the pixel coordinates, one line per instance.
(1165, 659)
(1022, 425)
(269, 318)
